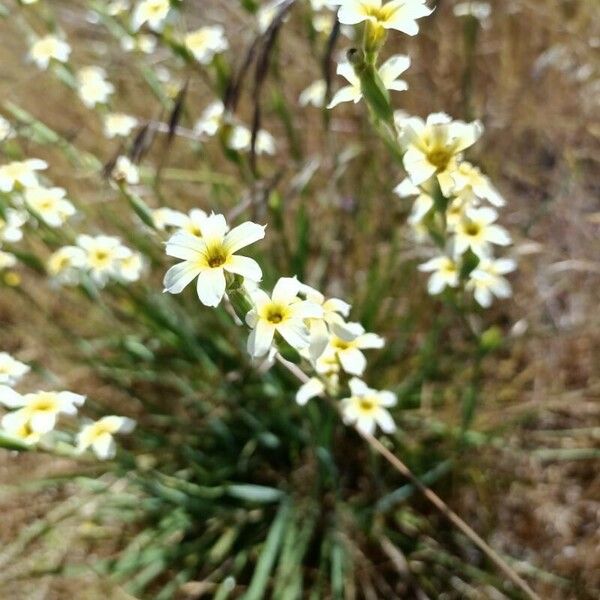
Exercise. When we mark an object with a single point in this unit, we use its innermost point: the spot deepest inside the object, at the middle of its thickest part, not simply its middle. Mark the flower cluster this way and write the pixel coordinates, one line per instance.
(455, 204)
(450, 207)
(101, 257)
(294, 315)
(32, 417)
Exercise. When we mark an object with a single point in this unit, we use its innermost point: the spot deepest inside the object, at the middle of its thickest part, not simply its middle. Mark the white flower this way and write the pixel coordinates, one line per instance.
(93, 86)
(445, 273)
(486, 280)
(49, 204)
(314, 94)
(119, 124)
(477, 232)
(130, 267)
(17, 425)
(11, 370)
(366, 408)
(389, 72)
(21, 172)
(346, 344)
(470, 183)
(41, 409)
(240, 139)
(167, 217)
(47, 48)
(99, 435)
(125, 170)
(209, 257)
(205, 42)
(401, 15)
(10, 225)
(284, 313)
(152, 12)
(103, 254)
(433, 146)
(7, 260)
(211, 119)
(64, 264)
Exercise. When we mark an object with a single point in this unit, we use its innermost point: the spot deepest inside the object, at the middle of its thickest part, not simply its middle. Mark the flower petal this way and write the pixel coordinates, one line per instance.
(244, 266)
(211, 286)
(243, 235)
(179, 276)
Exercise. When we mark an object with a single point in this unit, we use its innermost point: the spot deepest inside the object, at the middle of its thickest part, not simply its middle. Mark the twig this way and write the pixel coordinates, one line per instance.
(439, 504)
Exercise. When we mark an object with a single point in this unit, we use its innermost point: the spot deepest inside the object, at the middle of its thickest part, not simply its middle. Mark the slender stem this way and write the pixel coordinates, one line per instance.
(439, 504)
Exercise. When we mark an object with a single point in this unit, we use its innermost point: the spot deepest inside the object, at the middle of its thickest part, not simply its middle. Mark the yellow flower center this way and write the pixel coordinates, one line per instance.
(44, 403)
(100, 258)
(340, 344)
(379, 13)
(275, 313)
(472, 229)
(367, 404)
(216, 258)
(439, 158)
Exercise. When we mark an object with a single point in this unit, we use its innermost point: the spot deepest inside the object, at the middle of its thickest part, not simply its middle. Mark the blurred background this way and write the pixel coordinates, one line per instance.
(524, 473)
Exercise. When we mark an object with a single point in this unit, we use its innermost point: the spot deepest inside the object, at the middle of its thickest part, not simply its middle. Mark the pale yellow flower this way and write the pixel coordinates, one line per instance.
(11, 369)
(49, 204)
(433, 147)
(284, 313)
(366, 408)
(445, 272)
(99, 436)
(49, 48)
(119, 125)
(205, 42)
(41, 409)
(151, 12)
(20, 172)
(401, 15)
(93, 86)
(209, 257)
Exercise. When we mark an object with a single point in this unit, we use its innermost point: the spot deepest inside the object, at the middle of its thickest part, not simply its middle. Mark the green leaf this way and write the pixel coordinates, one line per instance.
(254, 493)
(266, 561)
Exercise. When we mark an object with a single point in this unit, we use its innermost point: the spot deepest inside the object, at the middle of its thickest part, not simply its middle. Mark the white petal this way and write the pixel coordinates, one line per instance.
(260, 338)
(358, 387)
(313, 387)
(345, 94)
(184, 246)
(211, 286)
(243, 235)
(104, 446)
(353, 361)
(179, 276)
(43, 422)
(244, 266)
(370, 340)
(387, 398)
(286, 289)
(10, 398)
(385, 421)
(295, 333)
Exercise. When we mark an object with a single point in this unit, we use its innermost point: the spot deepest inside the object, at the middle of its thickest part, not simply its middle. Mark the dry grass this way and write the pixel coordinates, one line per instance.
(534, 495)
